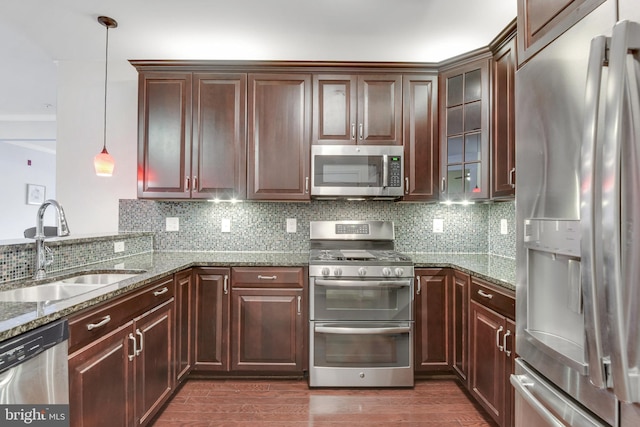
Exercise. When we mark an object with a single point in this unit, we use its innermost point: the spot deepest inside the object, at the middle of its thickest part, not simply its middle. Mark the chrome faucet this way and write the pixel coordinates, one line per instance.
(41, 251)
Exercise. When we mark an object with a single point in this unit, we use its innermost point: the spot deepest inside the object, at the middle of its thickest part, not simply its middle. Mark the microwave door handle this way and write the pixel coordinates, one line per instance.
(621, 271)
(589, 267)
(385, 171)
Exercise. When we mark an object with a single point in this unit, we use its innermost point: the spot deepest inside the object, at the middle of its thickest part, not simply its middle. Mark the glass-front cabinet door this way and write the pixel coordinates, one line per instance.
(464, 132)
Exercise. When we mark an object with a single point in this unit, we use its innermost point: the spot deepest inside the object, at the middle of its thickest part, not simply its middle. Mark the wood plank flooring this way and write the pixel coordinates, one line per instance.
(282, 403)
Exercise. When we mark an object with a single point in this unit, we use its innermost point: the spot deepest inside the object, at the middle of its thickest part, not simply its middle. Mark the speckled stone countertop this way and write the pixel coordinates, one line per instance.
(19, 317)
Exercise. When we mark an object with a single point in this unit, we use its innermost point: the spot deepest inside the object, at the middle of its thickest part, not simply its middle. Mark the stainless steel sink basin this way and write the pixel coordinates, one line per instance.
(47, 292)
(98, 278)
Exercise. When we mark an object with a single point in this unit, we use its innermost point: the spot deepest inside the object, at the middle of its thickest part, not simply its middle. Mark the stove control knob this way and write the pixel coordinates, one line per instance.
(362, 271)
(325, 271)
(337, 272)
(386, 272)
(399, 272)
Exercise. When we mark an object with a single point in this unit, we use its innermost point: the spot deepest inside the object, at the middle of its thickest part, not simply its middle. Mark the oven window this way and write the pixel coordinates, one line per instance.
(335, 348)
(348, 171)
(361, 299)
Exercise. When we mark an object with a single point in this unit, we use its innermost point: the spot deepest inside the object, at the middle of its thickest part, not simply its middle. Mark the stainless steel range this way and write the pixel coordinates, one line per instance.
(361, 306)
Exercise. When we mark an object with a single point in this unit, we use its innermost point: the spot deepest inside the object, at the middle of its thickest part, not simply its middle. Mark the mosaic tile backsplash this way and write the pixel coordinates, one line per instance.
(261, 226)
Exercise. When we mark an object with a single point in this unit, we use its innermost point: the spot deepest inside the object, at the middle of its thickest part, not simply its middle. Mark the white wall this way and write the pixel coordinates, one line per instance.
(15, 214)
(91, 202)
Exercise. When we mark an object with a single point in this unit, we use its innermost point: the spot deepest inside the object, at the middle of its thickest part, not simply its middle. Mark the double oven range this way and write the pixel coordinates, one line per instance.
(361, 306)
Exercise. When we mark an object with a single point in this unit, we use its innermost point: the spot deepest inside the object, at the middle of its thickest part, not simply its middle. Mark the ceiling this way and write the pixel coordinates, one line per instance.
(34, 34)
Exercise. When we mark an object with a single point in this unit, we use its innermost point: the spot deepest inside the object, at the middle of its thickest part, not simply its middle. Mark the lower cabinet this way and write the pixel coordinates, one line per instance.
(432, 320)
(460, 325)
(121, 358)
(492, 355)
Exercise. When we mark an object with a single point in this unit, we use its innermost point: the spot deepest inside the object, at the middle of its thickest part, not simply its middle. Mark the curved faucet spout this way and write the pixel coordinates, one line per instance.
(41, 251)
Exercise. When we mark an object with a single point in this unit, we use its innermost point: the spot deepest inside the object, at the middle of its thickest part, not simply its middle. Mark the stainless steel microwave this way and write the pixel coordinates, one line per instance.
(357, 171)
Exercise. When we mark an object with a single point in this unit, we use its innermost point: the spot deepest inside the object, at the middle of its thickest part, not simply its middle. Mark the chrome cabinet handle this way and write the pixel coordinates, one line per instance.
(443, 184)
(512, 176)
(306, 184)
(504, 342)
(261, 277)
(500, 329)
(225, 285)
(187, 183)
(106, 319)
(353, 131)
(419, 286)
(138, 333)
(161, 291)
(484, 294)
(135, 351)
(299, 305)
(195, 183)
(361, 131)
(406, 185)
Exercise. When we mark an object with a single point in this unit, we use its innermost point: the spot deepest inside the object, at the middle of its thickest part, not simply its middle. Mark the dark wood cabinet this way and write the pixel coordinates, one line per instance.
(357, 109)
(279, 136)
(192, 135)
(121, 358)
(464, 130)
(269, 320)
(432, 320)
(460, 326)
(540, 22)
(211, 319)
(421, 148)
(491, 349)
(503, 144)
(185, 296)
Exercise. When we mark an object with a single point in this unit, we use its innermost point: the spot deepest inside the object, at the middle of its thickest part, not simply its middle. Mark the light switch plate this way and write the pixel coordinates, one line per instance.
(225, 226)
(292, 225)
(118, 247)
(503, 226)
(172, 224)
(438, 225)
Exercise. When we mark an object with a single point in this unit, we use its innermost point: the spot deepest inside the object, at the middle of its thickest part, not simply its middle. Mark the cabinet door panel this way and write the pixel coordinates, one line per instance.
(101, 381)
(334, 109)
(153, 363)
(380, 109)
(211, 319)
(219, 136)
(267, 330)
(164, 158)
(184, 323)
(460, 357)
(432, 321)
(279, 136)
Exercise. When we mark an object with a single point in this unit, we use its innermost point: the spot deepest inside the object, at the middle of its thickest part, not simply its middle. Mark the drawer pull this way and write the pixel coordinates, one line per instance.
(106, 319)
(161, 291)
(261, 277)
(484, 294)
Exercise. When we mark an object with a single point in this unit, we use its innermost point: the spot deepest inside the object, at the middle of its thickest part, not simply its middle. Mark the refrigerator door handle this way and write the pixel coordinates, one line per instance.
(621, 249)
(590, 218)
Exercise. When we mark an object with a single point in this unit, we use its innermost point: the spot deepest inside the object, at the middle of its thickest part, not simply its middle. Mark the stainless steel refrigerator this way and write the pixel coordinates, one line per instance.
(578, 225)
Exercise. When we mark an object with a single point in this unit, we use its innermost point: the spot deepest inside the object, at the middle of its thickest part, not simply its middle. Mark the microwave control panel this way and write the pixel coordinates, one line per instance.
(395, 171)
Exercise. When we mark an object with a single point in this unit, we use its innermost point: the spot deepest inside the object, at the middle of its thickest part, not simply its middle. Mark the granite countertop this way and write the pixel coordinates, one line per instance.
(19, 317)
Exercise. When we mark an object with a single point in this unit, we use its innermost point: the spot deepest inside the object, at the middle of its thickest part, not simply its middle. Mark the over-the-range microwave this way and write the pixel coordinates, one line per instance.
(357, 171)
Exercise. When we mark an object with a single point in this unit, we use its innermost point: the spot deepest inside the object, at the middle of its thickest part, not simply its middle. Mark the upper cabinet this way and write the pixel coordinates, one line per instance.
(540, 22)
(192, 135)
(357, 109)
(279, 137)
(464, 130)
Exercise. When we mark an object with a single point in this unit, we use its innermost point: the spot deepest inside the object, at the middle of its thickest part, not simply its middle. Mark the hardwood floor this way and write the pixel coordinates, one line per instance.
(208, 403)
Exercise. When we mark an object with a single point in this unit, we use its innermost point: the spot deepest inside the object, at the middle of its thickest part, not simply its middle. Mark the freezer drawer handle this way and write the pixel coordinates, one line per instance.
(484, 294)
(522, 386)
(106, 319)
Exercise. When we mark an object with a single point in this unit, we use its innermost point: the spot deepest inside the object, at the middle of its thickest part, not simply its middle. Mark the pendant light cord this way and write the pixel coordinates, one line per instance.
(106, 79)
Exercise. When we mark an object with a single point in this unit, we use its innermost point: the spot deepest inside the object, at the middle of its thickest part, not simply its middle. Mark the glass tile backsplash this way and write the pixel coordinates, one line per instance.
(261, 226)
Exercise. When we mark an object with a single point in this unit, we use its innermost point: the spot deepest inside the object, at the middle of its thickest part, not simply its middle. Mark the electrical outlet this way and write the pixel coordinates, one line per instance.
(438, 225)
(172, 224)
(225, 226)
(292, 225)
(503, 226)
(118, 247)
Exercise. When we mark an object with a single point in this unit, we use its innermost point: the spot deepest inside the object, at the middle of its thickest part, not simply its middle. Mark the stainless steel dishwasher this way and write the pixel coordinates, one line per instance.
(34, 367)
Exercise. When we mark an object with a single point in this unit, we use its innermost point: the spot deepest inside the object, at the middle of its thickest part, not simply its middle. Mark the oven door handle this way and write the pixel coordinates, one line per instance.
(363, 283)
(341, 330)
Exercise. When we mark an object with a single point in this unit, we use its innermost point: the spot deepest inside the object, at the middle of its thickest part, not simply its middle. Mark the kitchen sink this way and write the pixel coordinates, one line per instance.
(65, 288)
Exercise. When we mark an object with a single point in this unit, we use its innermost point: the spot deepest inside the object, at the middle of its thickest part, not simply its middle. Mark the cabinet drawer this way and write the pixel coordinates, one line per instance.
(499, 300)
(272, 277)
(94, 322)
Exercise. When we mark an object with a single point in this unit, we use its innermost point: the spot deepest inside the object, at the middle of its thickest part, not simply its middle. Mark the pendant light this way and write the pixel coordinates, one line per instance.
(103, 162)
